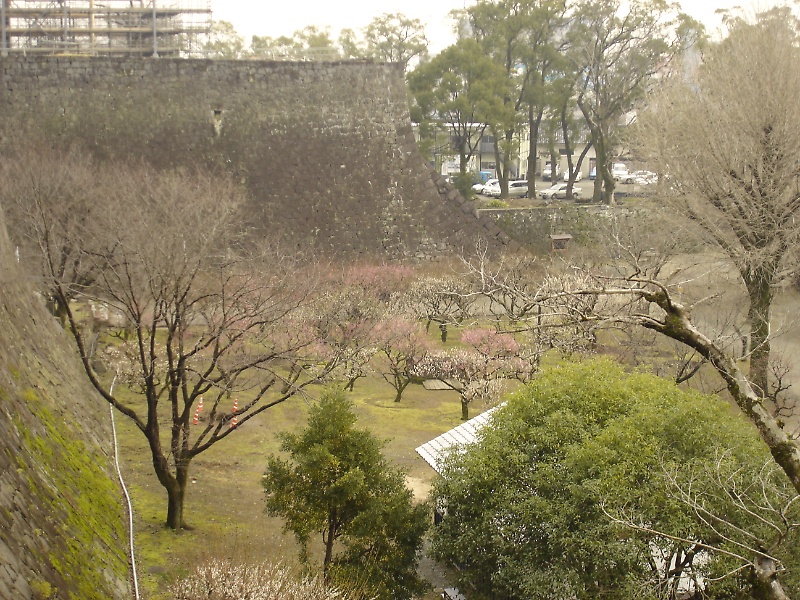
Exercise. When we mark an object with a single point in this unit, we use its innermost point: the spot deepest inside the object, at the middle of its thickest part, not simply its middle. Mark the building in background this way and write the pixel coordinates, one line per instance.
(104, 27)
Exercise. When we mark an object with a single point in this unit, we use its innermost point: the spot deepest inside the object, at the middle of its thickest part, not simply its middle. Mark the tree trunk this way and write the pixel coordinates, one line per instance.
(60, 311)
(464, 409)
(462, 162)
(534, 119)
(600, 166)
(567, 150)
(759, 291)
(765, 580)
(174, 507)
(176, 492)
(678, 326)
(608, 178)
(399, 385)
(329, 544)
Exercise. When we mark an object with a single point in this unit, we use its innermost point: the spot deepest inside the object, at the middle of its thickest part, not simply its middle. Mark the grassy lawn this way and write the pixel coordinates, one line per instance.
(224, 503)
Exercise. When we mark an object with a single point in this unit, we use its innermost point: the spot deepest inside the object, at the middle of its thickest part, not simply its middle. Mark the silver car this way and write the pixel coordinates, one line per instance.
(516, 189)
(559, 191)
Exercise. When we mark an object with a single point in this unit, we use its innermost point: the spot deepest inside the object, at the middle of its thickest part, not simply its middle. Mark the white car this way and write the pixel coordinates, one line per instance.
(578, 176)
(559, 191)
(492, 190)
(640, 177)
(547, 172)
(619, 171)
(645, 177)
(488, 185)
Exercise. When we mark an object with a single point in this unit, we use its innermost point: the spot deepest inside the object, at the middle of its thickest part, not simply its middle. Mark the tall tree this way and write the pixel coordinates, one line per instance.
(541, 56)
(461, 89)
(502, 28)
(205, 319)
(393, 37)
(729, 147)
(337, 484)
(616, 48)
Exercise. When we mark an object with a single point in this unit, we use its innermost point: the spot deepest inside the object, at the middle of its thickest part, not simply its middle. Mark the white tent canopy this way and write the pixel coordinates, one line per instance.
(435, 451)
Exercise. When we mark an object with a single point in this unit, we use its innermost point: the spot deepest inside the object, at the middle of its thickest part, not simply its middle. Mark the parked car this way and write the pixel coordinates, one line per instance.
(593, 173)
(578, 176)
(645, 177)
(452, 594)
(559, 191)
(619, 171)
(547, 172)
(518, 189)
(486, 186)
(640, 178)
(492, 189)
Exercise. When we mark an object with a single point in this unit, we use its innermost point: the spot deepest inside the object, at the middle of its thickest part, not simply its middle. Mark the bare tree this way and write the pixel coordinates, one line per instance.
(575, 298)
(208, 319)
(728, 141)
(401, 344)
(446, 300)
(479, 371)
(50, 203)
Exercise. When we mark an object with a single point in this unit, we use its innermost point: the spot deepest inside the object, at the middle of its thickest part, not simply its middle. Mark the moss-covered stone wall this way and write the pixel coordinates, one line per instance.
(62, 527)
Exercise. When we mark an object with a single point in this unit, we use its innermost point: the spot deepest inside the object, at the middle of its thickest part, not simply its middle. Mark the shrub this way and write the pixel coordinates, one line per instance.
(224, 580)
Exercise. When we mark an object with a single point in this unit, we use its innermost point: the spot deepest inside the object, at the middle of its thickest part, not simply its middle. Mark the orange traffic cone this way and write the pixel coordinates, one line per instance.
(196, 420)
(200, 405)
(235, 419)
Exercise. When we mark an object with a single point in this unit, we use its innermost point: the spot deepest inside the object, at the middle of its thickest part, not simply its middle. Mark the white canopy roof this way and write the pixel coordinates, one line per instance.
(435, 451)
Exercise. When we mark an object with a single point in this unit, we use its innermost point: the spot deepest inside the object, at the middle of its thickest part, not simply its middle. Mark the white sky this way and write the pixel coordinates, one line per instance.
(275, 18)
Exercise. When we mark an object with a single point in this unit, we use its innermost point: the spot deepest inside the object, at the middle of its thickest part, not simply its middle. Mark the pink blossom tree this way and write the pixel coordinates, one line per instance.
(479, 370)
(400, 344)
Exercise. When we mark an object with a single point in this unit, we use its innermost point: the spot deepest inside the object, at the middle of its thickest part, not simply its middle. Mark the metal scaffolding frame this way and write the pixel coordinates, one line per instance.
(104, 27)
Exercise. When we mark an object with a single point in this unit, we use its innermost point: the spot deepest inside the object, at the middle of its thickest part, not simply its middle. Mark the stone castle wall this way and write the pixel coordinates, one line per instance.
(325, 150)
(62, 527)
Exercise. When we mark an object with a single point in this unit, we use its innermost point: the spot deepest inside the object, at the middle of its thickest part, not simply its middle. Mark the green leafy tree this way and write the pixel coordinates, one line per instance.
(336, 484)
(541, 56)
(350, 44)
(282, 47)
(616, 48)
(395, 38)
(502, 28)
(550, 502)
(309, 43)
(224, 41)
(391, 37)
(460, 89)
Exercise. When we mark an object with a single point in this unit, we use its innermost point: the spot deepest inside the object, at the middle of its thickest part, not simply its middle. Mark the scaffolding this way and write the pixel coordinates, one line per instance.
(104, 27)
